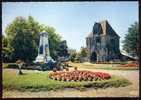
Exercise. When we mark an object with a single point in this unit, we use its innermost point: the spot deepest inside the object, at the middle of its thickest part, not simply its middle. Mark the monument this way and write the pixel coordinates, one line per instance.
(43, 50)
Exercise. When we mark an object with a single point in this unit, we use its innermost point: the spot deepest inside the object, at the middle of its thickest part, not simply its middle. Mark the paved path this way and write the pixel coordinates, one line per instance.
(128, 91)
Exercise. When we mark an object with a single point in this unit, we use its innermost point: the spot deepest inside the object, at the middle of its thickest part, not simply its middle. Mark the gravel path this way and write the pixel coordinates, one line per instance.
(128, 91)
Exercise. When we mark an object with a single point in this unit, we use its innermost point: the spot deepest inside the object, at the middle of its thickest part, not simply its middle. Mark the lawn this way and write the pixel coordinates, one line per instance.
(101, 66)
(39, 81)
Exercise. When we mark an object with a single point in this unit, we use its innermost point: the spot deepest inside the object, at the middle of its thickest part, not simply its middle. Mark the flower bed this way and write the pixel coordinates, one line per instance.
(130, 65)
(78, 75)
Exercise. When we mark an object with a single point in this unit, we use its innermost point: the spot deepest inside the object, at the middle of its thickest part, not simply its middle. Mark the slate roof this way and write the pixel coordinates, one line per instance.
(105, 26)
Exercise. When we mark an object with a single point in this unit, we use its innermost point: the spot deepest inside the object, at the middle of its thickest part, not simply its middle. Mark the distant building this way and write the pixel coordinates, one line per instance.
(103, 43)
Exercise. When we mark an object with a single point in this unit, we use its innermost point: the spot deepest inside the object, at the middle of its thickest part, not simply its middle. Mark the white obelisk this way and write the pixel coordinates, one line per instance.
(43, 50)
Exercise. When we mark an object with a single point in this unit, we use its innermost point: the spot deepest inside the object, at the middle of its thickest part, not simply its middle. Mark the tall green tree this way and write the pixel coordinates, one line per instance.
(131, 41)
(35, 28)
(72, 53)
(63, 49)
(21, 40)
(6, 52)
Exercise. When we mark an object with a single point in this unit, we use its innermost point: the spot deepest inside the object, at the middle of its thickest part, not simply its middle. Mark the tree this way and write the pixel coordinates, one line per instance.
(131, 41)
(23, 39)
(73, 54)
(20, 39)
(78, 57)
(63, 49)
(4, 41)
(35, 28)
(83, 52)
(6, 52)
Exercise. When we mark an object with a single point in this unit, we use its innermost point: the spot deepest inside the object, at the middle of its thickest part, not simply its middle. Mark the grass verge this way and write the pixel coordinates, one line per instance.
(102, 66)
(40, 82)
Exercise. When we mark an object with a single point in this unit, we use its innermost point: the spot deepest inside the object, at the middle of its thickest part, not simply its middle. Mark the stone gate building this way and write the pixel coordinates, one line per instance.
(103, 43)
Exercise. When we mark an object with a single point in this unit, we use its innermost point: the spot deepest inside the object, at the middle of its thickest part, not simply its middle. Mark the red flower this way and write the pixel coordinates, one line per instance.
(130, 65)
(79, 75)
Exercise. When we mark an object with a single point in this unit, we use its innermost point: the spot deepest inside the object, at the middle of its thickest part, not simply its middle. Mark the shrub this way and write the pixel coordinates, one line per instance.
(12, 65)
(44, 67)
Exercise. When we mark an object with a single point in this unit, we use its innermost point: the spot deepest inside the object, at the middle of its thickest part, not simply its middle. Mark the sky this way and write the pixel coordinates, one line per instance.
(74, 20)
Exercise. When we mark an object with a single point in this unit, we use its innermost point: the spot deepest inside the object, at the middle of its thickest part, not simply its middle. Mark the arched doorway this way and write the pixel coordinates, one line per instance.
(93, 57)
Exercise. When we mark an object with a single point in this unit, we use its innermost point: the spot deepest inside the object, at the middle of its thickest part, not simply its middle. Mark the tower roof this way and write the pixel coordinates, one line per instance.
(105, 29)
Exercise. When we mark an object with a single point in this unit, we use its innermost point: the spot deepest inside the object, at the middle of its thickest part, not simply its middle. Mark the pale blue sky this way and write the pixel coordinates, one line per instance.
(74, 20)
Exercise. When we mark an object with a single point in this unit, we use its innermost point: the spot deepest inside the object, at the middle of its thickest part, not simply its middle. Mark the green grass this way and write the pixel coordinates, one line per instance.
(113, 68)
(103, 66)
(40, 82)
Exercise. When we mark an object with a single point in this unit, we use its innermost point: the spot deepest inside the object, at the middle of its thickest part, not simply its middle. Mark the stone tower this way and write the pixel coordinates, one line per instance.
(103, 43)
